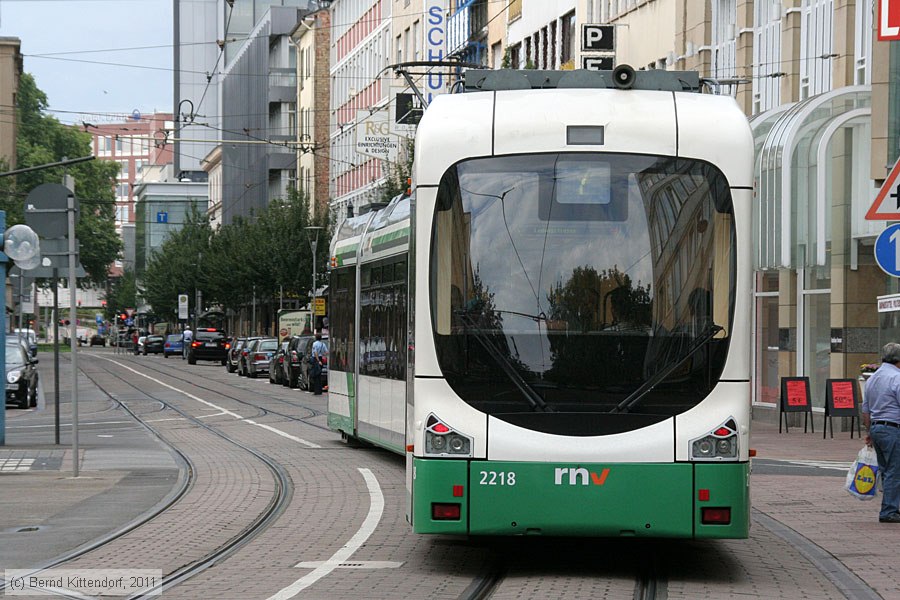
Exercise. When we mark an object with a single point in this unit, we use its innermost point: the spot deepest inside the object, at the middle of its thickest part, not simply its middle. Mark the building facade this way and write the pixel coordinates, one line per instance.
(259, 103)
(819, 91)
(163, 207)
(360, 87)
(135, 145)
(312, 44)
(10, 71)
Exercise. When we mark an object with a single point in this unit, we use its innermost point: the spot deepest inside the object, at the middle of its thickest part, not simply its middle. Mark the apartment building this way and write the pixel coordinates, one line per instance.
(136, 144)
(312, 40)
(361, 47)
(542, 35)
(10, 71)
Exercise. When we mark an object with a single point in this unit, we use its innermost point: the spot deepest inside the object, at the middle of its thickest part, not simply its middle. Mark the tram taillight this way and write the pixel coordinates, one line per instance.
(445, 512)
(710, 515)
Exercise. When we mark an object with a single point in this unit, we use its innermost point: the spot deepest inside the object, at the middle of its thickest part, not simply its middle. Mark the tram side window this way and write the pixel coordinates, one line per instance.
(341, 325)
(383, 320)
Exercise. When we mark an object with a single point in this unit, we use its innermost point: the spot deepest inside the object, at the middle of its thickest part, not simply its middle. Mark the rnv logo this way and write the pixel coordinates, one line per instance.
(581, 475)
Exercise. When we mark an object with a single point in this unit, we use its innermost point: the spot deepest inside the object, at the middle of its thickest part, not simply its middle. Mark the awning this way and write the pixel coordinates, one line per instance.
(796, 172)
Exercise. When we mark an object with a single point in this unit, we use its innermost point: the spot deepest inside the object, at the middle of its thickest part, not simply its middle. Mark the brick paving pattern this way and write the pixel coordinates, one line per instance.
(330, 501)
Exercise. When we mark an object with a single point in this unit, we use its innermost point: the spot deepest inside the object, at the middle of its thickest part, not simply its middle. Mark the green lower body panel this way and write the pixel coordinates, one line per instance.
(603, 500)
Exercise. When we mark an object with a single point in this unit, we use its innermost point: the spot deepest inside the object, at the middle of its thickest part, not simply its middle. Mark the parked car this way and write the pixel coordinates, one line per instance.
(242, 354)
(98, 340)
(276, 365)
(139, 347)
(30, 338)
(21, 375)
(174, 345)
(259, 356)
(153, 344)
(234, 353)
(208, 344)
(299, 348)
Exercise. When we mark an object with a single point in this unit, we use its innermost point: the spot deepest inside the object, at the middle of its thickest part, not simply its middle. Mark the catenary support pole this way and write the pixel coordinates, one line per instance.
(73, 319)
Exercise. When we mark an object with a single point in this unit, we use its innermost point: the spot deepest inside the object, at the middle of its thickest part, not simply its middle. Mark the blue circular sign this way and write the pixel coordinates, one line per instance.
(887, 250)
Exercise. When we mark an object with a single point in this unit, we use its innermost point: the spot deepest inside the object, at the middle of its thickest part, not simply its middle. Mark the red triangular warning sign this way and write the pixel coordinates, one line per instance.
(886, 206)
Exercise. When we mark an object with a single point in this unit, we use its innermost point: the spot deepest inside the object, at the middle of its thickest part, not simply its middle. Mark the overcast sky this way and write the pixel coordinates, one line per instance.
(100, 31)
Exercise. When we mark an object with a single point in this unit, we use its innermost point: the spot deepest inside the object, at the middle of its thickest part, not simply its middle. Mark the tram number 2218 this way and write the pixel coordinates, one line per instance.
(498, 478)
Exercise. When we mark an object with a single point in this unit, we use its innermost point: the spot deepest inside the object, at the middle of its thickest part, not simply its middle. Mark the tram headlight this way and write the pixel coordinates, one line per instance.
(704, 447)
(719, 444)
(441, 440)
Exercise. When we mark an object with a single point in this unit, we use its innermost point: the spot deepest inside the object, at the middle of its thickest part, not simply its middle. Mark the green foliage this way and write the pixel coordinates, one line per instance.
(396, 181)
(264, 256)
(42, 139)
(123, 293)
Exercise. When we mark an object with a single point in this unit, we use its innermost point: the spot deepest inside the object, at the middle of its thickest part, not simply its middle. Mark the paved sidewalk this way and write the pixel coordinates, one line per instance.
(45, 512)
(806, 493)
(797, 479)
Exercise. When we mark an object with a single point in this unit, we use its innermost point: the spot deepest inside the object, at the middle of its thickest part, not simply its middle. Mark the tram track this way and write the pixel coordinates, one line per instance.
(278, 502)
(281, 494)
(225, 394)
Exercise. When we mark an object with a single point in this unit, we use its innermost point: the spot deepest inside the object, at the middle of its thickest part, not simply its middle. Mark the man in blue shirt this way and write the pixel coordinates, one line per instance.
(881, 416)
(319, 356)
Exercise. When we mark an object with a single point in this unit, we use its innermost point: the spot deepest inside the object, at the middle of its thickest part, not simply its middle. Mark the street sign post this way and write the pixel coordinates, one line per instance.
(182, 307)
(887, 250)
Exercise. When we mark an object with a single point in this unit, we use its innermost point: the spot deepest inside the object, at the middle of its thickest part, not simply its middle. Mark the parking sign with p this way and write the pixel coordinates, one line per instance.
(598, 38)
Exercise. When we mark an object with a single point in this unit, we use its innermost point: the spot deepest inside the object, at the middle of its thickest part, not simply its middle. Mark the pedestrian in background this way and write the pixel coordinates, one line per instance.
(319, 355)
(186, 338)
(881, 417)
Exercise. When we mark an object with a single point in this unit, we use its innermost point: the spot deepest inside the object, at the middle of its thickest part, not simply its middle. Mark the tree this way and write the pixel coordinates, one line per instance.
(123, 293)
(42, 139)
(256, 257)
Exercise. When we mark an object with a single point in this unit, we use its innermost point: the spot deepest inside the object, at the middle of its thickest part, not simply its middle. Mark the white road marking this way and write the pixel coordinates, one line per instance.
(362, 564)
(376, 508)
(219, 408)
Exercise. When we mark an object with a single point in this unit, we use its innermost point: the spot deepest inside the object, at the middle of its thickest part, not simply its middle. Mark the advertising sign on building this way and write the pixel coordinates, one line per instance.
(888, 20)
(407, 110)
(374, 136)
(435, 46)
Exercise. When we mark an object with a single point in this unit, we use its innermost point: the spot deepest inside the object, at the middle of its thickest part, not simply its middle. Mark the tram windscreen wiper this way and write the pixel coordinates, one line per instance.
(639, 394)
(528, 392)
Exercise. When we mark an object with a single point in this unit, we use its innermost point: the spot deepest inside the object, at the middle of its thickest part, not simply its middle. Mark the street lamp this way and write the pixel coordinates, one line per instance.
(313, 244)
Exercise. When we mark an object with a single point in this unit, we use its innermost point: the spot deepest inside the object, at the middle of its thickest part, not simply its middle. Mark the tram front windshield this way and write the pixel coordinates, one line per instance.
(583, 293)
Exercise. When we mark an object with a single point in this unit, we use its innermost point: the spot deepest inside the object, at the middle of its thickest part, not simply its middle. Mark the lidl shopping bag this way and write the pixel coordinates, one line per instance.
(863, 475)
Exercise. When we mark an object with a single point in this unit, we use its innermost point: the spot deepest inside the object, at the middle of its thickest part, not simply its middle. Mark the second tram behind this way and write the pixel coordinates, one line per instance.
(554, 328)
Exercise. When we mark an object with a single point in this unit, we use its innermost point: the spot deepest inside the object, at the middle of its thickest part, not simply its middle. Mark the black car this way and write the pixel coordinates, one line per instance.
(208, 344)
(276, 365)
(154, 344)
(21, 376)
(295, 360)
(98, 340)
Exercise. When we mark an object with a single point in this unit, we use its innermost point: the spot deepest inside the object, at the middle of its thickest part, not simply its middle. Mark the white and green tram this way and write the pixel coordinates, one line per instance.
(554, 328)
